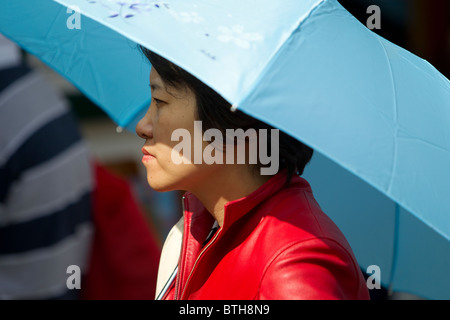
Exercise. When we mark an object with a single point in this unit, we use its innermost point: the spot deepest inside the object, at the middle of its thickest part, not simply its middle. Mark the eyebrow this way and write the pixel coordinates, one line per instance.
(155, 87)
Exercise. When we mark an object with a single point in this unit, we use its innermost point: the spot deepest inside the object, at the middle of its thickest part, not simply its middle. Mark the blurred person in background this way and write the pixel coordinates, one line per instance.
(46, 184)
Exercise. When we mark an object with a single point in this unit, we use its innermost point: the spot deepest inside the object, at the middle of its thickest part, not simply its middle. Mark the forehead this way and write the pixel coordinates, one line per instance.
(158, 85)
(156, 81)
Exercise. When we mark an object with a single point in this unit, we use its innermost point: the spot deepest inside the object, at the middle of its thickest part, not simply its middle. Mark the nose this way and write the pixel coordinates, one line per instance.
(144, 127)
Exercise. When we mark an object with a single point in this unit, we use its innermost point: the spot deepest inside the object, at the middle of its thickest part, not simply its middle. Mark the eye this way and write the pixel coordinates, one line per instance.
(158, 102)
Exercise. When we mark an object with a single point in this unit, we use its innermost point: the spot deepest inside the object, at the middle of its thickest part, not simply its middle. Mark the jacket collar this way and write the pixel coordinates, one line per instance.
(236, 209)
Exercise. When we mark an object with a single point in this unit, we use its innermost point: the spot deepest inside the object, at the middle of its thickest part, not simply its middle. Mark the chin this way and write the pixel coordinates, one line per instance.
(157, 186)
(172, 180)
(160, 185)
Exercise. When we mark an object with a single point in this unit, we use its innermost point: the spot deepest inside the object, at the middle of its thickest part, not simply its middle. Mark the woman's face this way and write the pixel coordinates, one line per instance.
(170, 109)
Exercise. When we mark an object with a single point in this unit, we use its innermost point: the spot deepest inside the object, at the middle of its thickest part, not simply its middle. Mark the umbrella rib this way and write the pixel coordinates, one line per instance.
(391, 179)
(395, 104)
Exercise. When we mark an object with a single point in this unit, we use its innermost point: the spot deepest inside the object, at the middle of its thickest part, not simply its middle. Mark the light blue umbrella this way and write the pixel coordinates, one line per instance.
(307, 67)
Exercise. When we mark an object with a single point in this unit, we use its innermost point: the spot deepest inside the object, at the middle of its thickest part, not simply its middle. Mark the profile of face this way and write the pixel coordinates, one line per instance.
(170, 109)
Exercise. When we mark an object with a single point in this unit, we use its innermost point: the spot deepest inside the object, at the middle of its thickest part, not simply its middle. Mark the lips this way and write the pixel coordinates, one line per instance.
(147, 156)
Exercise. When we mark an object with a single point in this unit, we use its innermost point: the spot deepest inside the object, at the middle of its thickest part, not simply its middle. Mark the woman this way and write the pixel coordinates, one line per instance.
(273, 241)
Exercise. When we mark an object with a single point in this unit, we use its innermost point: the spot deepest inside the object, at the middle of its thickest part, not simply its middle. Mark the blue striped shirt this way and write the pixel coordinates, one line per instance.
(45, 189)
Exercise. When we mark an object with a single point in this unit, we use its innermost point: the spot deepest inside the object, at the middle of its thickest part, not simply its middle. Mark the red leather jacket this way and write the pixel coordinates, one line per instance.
(275, 243)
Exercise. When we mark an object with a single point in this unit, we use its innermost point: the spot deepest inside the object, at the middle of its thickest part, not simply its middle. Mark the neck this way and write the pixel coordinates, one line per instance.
(215, 193)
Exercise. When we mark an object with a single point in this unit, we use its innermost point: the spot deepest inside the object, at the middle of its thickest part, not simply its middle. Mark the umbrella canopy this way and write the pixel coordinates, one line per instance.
(307, 67)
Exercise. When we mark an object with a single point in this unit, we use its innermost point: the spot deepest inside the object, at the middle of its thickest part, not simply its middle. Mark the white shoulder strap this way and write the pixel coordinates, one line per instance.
(168, 262)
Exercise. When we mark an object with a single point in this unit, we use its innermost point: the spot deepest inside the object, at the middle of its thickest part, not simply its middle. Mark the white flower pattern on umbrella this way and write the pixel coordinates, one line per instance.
(187, 17)
(126, 9)
(238, 36)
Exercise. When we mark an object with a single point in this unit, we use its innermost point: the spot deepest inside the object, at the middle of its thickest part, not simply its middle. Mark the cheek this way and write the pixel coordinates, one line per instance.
(162, 134)
(172, 130)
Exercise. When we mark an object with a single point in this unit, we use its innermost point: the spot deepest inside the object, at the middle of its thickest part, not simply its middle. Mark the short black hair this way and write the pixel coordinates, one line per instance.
(215, 112)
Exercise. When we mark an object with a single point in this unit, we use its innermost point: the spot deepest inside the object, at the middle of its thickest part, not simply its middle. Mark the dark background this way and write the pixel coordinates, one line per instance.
(419, 26)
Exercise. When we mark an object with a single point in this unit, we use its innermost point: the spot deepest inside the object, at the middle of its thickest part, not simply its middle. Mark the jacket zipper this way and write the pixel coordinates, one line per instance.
(196, 261)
